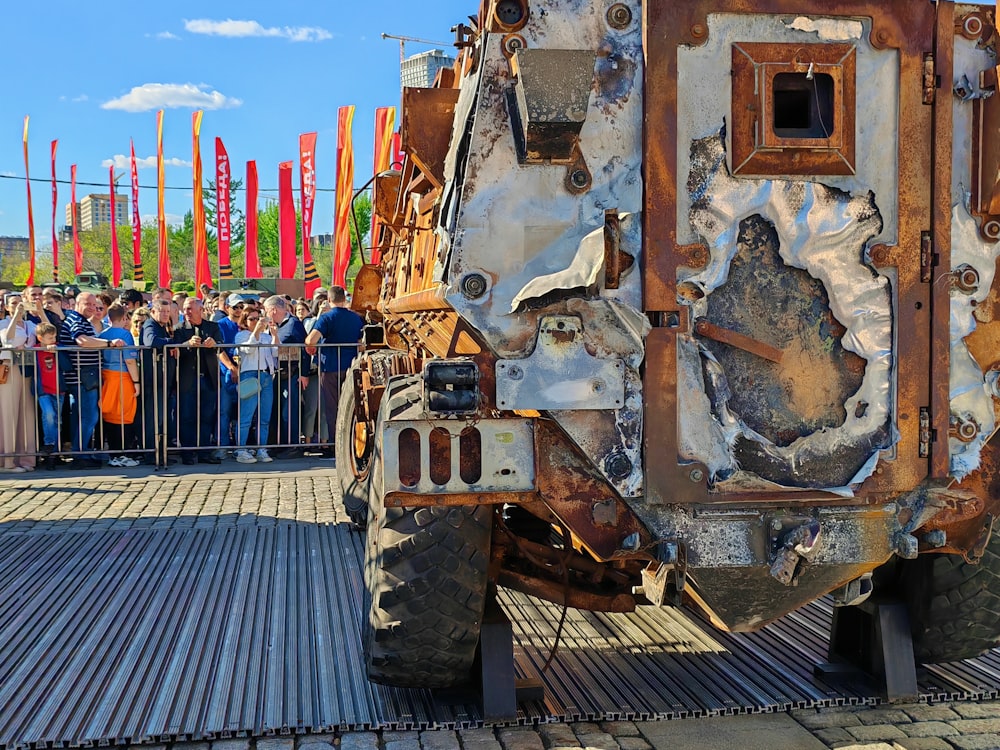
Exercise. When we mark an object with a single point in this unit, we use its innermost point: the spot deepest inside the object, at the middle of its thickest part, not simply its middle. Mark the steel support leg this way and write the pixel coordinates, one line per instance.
(500, 690)
(875, 638)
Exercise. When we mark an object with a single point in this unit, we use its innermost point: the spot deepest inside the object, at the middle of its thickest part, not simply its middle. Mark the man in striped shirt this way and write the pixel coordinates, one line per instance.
(83, 380)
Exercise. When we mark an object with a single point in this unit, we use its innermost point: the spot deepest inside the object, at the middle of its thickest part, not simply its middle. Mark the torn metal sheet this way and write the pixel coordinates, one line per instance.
(824, 232)
(971, 397)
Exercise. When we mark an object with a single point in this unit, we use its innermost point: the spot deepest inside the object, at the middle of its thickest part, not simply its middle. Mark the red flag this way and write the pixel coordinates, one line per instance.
(252, 269)
(286, 222)
(307, 176)
(137, 272)
(31, 220)
(202, 267)
(164, 276)
(345, 193)
(223, 230)
(385, 123)
(116, 258)
(55, 202)
(397, 149)
(77, 249)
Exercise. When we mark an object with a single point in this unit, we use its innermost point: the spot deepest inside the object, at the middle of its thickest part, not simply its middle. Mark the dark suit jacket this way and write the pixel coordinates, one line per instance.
(188, 358)
(154, 335)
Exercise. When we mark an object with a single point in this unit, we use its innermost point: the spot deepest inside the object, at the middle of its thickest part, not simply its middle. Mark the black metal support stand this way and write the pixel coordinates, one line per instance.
(874, 638)
(500, 690)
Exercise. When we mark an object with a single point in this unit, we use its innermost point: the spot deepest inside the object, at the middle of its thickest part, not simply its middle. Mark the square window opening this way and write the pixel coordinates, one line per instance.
(803, 105)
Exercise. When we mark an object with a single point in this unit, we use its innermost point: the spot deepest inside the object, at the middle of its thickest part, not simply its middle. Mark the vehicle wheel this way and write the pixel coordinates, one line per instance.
(954, 605)
(353, 447)
(426, 576)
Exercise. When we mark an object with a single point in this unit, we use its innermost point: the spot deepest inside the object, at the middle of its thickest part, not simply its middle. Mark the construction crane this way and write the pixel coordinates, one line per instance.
(404, 39)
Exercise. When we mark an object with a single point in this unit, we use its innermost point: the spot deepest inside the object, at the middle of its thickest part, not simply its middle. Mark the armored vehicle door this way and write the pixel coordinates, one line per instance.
(798, 247)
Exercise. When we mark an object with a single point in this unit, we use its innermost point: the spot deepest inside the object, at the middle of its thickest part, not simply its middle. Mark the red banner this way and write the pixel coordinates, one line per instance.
(385, 124)
(307, 177)
(75, 211)
(286, 222)
(164, 276)
(223, 229)
(137, 273)
(252, 269)
(202, 267)
(31, 220)
(116, 258)
(345, 193)
(55, 204)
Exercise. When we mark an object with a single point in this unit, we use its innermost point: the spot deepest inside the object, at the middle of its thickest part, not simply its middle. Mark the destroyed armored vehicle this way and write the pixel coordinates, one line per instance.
(685, 302)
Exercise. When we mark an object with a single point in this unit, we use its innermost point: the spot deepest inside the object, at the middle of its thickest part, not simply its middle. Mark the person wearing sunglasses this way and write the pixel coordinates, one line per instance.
(258, 362)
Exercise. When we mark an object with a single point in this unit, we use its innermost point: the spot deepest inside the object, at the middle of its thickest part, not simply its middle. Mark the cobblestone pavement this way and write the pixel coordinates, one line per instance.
(301, 491)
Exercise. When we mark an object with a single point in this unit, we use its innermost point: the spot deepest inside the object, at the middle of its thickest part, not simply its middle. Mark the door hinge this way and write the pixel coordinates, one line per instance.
(928, 258)
(930, 78)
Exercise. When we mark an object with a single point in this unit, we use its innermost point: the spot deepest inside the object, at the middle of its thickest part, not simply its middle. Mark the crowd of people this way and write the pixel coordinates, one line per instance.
(87, 378)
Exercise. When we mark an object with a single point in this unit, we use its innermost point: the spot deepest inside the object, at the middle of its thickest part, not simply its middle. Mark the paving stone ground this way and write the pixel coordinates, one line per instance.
(225, 496)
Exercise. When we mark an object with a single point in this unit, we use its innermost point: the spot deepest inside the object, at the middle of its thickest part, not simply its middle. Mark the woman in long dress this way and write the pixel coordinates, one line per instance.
(18, 442)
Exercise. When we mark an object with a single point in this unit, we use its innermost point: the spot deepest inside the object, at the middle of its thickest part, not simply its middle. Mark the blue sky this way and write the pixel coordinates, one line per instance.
(93, 75)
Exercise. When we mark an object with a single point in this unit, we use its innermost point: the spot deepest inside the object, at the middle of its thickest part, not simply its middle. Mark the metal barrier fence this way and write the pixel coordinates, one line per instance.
(185, 405)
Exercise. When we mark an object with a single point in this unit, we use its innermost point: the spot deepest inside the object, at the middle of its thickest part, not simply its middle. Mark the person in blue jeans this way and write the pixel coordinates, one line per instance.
(84, 380)
(49, 387)
(229, 372)
(257, 364)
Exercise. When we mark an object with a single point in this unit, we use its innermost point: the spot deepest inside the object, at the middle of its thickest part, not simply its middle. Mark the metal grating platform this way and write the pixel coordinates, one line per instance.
(153, 634)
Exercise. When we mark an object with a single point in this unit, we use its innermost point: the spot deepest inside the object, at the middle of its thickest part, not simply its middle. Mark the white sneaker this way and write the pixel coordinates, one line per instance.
(128, 462)
(117, 461)
(245, 457)
(263, 457)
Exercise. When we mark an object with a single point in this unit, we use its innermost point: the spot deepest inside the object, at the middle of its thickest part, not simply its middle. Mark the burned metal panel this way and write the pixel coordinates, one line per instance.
(506, 455)
(520, 241)
(689, 46)
(427, 119)
(801, 286)
(972, 395)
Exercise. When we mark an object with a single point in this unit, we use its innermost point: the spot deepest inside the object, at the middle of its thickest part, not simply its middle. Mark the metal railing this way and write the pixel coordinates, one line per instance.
(186, 406)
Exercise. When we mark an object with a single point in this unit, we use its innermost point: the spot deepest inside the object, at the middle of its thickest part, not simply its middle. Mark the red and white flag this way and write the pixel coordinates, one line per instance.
(307, 177)
(223, 227)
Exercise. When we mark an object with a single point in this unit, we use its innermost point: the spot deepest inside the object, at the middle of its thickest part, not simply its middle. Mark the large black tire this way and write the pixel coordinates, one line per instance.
(353, 460)
(426, 576)
(954, 605)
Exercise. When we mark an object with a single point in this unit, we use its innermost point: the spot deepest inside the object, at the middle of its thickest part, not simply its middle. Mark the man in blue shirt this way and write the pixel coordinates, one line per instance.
(293, 362)
(83, 380)
(340, 330)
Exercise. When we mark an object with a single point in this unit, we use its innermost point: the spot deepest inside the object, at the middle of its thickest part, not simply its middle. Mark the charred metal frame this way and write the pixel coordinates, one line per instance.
(924, 209)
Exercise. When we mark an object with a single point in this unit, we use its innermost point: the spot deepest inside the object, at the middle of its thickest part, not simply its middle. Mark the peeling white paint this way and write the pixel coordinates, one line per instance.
(828, 29)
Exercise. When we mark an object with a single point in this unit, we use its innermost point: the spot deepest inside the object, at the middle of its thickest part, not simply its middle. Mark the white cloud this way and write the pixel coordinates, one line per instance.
(232, 28)
(7, 174)
(165, 35)
(80, 98)
(153, 96)
(121, 161)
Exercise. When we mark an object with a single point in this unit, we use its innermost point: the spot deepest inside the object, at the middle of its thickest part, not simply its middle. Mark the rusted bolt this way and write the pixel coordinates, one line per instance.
(698, 30)
(992, 229)
(513, 43)
(619, 16)
(696, 475)
(597, 386)
(973, 25)
(580, 178)
(964, 429)
(515, 372)
(882, 36)
(880, 255)
(966, 278)
(618, 465)
(473, 286)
